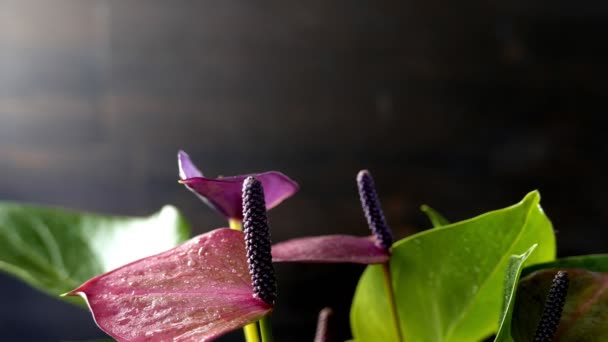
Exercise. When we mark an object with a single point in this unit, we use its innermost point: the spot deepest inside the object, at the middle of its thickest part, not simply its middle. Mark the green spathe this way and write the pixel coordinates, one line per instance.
(55, 250)
(449, 281)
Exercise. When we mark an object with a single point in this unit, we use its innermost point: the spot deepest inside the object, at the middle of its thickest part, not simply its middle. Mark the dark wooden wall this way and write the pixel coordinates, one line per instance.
(464, 105)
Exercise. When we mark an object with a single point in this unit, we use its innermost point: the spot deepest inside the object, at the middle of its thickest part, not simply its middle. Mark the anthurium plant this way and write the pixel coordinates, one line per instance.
(493, 276)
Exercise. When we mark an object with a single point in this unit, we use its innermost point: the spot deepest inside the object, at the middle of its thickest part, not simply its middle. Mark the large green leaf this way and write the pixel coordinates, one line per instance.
(448, 281)
(514, 268)
(55, 250)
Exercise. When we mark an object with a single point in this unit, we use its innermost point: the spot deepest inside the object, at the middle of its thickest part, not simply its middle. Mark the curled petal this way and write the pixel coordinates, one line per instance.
(194, 292)
(224, 194)
(329, 249)
(187, 169)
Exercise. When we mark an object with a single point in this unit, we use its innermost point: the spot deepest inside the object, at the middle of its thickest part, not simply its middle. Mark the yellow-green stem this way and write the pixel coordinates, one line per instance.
(390, 294)
(251, 332)
(235, 224)
(266, 329)
(251, 329)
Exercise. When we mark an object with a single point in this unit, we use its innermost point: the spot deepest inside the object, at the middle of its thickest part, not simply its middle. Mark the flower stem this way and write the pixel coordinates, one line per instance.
(235, 224)
(390, 294)
(266, 329)
(251, 332)
(251, 329)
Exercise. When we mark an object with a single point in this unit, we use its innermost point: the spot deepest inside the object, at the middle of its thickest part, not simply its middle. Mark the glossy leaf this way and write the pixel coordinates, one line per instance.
(55, 250)
(585, 312)
(437, 220)
(194, 292)
(223, 194)
(329, 249)
(448, 281)
(514, 268)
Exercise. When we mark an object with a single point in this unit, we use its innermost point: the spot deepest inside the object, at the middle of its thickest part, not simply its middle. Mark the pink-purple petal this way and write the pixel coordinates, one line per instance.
(330, 249)
(187, 169)
(194, 292)
(224, 194)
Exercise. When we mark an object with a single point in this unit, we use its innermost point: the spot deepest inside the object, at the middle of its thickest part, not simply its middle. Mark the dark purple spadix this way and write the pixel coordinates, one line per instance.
(373, 211)
(552, 312)
(257, 241)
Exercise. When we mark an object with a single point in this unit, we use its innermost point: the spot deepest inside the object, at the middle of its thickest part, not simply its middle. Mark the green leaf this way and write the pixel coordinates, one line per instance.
(437, 220)
(591, 262)
(514, 268)
(55, 250)
(448, 281)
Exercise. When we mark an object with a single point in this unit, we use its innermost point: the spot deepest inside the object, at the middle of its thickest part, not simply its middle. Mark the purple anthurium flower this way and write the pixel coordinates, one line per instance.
(224, 194)
(373, 249)
(206, 287)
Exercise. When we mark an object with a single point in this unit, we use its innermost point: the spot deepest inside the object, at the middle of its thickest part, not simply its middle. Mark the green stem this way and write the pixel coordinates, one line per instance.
(266, 329)
(251, 329)
(390, 294)
(251, 332)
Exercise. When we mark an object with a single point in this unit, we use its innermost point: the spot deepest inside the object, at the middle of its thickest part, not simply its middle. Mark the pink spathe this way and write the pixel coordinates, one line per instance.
(331, 249)
(194, 292)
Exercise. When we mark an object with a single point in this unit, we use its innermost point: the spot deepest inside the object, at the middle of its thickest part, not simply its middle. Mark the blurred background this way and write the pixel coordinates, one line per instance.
(465, 106)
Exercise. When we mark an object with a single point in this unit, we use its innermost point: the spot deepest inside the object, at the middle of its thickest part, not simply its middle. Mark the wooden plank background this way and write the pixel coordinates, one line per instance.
(465, 106)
